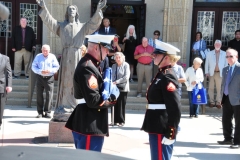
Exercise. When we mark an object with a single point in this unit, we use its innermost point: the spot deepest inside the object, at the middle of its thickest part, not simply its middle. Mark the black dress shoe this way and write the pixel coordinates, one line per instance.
(225, 142)
(234, 146)
(48, 115)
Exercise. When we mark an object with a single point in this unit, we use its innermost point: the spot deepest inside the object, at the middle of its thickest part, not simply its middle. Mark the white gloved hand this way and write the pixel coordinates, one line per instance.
(167, 141)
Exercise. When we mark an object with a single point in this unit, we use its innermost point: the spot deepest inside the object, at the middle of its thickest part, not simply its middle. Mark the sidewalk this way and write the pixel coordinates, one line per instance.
(196, 140)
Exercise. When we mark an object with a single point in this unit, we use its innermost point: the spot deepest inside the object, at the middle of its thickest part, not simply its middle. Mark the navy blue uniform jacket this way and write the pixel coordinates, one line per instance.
(163, 90)
(90, 118)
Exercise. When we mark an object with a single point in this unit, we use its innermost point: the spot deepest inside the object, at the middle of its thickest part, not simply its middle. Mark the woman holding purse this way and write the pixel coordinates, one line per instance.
(194, 75)
(120, 77)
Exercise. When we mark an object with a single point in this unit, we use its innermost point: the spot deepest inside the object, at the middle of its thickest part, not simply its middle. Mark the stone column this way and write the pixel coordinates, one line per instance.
(177, 26)
(57, 8)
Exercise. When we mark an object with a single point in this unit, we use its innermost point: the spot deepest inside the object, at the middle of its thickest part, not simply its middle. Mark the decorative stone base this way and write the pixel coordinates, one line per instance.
(58, 133)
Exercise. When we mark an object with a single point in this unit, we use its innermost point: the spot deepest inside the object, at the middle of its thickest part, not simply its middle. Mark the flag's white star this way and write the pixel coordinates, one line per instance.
(106, 79)
(105, 92)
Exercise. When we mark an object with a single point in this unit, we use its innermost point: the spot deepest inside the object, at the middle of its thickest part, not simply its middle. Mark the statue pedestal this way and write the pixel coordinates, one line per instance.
(58, 133)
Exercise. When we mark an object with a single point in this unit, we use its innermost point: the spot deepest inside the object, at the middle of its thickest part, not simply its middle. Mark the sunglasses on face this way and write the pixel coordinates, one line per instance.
(156, 34)
(229, 56)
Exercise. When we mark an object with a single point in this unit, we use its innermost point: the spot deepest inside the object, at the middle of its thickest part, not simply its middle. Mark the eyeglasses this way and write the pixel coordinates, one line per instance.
(156, 34)
(229, 56)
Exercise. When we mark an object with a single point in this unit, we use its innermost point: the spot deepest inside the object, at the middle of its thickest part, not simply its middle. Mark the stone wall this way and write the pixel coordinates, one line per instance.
(177, 25)
(154, 17)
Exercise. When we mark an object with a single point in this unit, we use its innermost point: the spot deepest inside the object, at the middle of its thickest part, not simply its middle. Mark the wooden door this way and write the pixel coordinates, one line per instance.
(216, 23)
(19, 8)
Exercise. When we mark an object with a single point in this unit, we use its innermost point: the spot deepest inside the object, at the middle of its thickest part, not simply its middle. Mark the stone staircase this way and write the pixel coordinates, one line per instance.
(19, 97)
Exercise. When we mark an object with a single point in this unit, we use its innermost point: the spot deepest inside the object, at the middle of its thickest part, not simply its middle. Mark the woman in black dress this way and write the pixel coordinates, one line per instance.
(130, 41)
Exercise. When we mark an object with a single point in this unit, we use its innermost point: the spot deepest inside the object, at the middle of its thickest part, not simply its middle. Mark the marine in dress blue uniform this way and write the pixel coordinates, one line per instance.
(163, 109)
(89, 120)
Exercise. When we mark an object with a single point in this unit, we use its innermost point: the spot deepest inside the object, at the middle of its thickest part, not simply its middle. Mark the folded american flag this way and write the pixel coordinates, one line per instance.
(109, 90)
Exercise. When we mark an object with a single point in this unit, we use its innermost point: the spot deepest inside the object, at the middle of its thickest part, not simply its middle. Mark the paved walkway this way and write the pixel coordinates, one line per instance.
(196, 140)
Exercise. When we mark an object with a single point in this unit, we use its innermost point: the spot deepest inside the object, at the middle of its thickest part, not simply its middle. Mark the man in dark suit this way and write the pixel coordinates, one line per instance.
(107, 30)
(235, 43)
(23, 41)
(230, 100)
(5, 82)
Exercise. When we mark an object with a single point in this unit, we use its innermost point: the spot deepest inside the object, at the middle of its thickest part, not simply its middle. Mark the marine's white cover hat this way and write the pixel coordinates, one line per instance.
(165, 48)
(104, 40)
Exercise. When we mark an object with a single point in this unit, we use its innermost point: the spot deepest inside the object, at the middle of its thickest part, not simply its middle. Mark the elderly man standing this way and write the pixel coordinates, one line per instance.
(230, 100)
(72, 33)
(215, 62)
(143, 54)
(45, 64)
(5, 69)
(23, 41)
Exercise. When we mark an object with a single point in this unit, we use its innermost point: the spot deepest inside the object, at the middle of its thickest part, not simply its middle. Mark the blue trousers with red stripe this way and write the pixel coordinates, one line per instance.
(158, 150)
(88, 142)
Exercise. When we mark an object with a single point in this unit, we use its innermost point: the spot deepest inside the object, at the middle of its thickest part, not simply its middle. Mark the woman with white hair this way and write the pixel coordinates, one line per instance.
(194, 75)
(120, 77)
(130, 42)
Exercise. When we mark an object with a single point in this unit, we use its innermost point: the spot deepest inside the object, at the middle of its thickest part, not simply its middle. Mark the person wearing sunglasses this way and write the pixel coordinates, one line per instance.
(215, 62)
(156, 35)
(230, 100)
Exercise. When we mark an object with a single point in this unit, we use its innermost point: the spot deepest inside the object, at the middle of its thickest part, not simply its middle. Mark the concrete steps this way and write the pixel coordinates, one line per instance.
(19, 97)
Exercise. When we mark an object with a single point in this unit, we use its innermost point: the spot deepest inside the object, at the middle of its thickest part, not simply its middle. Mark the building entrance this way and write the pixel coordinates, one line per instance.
(216, 19)
(123, 13)
(19, 8)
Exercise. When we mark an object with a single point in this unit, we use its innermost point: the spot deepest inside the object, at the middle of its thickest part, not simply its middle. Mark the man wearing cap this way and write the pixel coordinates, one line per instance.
(163, 109)
(89, 120)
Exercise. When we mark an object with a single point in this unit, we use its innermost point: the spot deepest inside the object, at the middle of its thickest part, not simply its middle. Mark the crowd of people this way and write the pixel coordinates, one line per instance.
(103, 50)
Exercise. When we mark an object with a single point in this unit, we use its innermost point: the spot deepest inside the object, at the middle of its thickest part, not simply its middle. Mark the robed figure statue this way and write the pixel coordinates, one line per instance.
(72, 33)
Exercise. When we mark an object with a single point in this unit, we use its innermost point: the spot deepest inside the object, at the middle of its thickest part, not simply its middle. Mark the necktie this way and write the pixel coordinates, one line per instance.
(227, 81)
(106, 31)
(23, 36)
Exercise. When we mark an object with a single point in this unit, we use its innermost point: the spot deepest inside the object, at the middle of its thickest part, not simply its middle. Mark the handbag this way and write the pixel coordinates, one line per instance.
(122, 85)
(199, 95)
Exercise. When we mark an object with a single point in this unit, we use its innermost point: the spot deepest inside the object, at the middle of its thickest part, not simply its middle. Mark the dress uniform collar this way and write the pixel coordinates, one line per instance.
(94, 60)
(165, 67)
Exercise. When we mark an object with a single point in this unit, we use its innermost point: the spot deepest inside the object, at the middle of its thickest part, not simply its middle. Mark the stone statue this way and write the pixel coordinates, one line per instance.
(72, 34)
(4, 12)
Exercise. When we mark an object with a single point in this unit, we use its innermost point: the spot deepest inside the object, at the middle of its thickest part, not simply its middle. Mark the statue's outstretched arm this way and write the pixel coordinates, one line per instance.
(47, 18)
(4, 12)
(93, 24)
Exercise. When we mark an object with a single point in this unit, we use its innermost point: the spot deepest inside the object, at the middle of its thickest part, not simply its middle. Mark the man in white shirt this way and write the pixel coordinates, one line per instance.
(215, 62)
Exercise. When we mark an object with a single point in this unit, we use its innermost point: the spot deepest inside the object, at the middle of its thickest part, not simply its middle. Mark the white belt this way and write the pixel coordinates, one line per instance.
(155, 106)
(81, 101)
